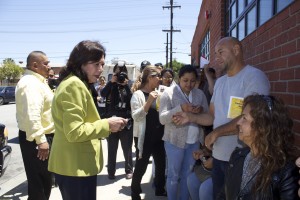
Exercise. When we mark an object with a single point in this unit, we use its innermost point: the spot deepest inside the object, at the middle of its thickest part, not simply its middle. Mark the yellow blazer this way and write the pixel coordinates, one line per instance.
(76, 149)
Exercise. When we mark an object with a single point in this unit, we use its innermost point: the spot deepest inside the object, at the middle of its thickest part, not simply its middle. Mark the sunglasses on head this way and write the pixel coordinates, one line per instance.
(268, 100)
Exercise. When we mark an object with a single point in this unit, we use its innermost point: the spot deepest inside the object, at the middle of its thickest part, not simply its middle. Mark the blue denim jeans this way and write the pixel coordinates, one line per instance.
(218, 175)
(180, 165)
(206, 190)
(199, 190)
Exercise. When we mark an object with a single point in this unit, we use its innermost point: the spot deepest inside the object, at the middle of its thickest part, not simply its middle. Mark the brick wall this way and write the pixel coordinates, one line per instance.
(274, 48)
(215, 24)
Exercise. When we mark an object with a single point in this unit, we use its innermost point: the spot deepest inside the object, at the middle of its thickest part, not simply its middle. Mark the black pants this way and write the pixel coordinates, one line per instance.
(157, 150)
(218, 175)
(38, 177)
(136, 139)
(126, 138)
(77, 188)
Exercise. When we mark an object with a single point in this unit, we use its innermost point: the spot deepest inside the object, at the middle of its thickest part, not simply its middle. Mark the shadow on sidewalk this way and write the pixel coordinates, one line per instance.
(14, 140)
(146, 188)
(19, 192)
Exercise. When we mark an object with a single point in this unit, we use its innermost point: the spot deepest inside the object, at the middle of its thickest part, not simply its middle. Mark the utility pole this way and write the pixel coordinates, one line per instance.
(171, 29)
(167, 50)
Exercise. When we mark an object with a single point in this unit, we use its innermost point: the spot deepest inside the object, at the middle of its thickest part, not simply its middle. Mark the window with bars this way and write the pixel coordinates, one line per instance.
(205, 46)
(245, 16)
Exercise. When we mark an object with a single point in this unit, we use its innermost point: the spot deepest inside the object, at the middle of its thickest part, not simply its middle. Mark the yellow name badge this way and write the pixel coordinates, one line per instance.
(235, 107)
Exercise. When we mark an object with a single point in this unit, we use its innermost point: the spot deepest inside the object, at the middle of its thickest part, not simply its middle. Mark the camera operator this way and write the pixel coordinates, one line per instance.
(117, 93)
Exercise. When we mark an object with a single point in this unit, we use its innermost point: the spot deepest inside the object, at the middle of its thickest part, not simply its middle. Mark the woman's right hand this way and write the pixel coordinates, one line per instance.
(208, 164)
(198, 154)
(197, 109)
(187, 107)
(116, 124)
(152, 96)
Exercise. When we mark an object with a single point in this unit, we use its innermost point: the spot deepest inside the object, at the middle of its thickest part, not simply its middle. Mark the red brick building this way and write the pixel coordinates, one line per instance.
(270, 34)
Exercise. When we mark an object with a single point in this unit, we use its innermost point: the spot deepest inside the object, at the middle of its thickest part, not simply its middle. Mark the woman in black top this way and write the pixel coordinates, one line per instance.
(145, 115)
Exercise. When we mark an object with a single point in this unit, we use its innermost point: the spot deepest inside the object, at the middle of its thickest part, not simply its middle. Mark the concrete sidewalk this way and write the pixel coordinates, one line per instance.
(118, 189)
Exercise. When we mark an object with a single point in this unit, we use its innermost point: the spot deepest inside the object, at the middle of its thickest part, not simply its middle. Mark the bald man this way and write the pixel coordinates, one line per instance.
(239, 81)
(36, 127)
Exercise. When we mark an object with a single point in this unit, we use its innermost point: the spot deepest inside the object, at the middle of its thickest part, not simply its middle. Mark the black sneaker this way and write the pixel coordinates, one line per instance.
(129, 176)
(135, 197)
(161, 193)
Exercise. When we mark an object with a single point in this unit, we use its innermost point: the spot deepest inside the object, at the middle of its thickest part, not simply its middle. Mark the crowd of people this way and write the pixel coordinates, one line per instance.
(210, 137)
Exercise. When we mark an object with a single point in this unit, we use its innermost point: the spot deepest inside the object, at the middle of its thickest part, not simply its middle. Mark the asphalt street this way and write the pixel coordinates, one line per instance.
(13, 184)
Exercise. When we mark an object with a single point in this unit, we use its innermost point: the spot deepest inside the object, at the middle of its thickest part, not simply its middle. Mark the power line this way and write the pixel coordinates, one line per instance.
(127, 28)
(78, 21)
(94, 27)
(110, 54)
(84, 6)
(117, 50)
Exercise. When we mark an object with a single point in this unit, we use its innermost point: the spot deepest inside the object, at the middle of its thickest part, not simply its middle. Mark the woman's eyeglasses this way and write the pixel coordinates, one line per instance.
(155, 75)
(168, 78)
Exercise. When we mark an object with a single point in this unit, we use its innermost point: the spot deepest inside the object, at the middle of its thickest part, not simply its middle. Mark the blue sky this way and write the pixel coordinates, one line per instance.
(129, 29)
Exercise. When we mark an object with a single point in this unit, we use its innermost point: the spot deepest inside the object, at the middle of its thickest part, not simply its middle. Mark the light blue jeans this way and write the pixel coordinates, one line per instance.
(180, 165)
(198, 190)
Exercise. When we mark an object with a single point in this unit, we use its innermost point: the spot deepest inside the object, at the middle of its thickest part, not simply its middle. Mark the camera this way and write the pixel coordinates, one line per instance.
(121, 77)
(120, 71)
(52, 83)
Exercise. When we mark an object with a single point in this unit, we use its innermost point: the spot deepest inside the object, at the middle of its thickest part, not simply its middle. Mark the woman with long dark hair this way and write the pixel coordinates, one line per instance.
(76, 155)
(265, 169)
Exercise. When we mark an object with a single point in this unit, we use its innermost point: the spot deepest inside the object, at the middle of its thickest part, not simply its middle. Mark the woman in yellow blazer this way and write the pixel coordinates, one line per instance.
(76, 155)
